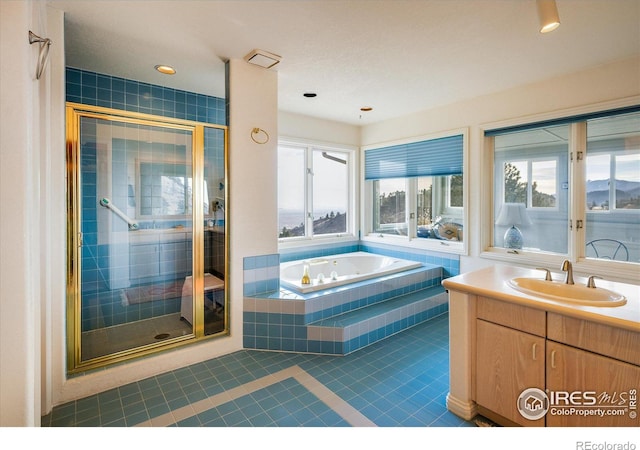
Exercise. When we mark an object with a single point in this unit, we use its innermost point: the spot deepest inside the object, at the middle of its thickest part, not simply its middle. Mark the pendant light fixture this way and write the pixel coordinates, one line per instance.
(548, 14)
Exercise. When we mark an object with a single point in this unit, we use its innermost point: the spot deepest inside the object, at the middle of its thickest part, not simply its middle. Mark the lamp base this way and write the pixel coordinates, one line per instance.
(513, 238)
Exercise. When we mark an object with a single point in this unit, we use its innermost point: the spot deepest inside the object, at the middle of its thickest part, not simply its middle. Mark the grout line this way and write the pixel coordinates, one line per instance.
(339, 406)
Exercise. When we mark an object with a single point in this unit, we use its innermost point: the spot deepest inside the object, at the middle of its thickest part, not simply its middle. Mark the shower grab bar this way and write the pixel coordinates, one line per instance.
(104, 201)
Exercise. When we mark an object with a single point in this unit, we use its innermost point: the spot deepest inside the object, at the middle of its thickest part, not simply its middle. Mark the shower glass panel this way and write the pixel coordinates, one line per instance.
(213, 204)
(147, 234)
(136, 203)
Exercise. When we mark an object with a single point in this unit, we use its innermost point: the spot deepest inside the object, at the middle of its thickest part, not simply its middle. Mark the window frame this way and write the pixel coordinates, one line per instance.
(309, 146)
(616, 270)
(411, 240)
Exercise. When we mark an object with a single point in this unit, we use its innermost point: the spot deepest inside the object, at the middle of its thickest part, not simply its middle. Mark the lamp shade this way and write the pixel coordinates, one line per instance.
(513, 214)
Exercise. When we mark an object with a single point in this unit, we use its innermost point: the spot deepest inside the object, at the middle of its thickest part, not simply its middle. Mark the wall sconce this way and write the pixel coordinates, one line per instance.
(513, 214)
(548, 15)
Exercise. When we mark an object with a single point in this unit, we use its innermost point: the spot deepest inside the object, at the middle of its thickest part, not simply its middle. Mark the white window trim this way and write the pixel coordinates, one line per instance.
(414, 242)
(352, 208)
(621, 271)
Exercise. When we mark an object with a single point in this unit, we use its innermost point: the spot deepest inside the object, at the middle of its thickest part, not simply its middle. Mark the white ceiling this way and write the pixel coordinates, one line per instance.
(396, 56)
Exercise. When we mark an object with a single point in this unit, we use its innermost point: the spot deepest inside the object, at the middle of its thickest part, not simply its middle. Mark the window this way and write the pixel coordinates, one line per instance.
(314, 191)
(390, 206)
(539, 168)
(416, 190)
(612, 188)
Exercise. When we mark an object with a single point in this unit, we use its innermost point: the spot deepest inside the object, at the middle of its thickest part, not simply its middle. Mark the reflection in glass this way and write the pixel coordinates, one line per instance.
(214, 308)
(530, 167)
(132, 280)
(613, 188)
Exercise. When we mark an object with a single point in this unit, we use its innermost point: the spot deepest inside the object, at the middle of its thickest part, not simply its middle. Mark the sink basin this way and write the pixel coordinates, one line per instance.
(572, 293)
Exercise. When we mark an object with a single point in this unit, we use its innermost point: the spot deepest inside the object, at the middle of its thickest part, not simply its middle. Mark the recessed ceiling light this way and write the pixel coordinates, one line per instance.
(310, 94)
(366, 108)
(167, 70)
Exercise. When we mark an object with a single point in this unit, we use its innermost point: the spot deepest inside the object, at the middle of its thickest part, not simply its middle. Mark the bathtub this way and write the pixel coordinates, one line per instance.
(337, 270)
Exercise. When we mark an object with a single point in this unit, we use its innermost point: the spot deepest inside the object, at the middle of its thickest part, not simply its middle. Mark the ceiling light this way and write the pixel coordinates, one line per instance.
(262, 58)
(548, 15)
(366, 108)
(167, 70)
(310, 94)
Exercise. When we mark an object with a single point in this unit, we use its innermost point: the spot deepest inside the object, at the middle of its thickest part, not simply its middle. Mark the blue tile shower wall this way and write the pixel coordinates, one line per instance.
(90, 88)
(102, 306)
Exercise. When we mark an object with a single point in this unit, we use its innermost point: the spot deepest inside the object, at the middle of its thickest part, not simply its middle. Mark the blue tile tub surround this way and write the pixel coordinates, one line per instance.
(450, 263)
(261, 274)
(90, 88)
(282, 320)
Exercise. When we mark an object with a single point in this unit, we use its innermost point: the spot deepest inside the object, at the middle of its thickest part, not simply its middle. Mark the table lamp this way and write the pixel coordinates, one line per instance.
(512, 214)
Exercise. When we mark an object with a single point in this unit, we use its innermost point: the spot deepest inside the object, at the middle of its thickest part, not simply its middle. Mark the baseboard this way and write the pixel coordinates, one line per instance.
(464, 410)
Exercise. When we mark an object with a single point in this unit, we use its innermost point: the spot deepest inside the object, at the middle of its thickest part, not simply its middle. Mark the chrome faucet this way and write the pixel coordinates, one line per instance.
(567, 267)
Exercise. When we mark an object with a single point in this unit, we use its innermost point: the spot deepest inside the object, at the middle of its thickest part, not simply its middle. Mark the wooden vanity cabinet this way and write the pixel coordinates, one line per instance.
(596, 359)
(592, 378)
(510, 357)
(518, 347)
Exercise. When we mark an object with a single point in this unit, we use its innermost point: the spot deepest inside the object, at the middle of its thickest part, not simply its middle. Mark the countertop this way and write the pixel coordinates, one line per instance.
(492, 282)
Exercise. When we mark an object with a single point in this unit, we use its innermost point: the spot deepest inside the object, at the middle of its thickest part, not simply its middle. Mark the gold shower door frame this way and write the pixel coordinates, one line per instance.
(74, 113)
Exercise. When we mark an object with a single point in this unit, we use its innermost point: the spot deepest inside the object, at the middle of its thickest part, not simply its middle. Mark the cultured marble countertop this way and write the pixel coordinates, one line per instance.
(492, 282)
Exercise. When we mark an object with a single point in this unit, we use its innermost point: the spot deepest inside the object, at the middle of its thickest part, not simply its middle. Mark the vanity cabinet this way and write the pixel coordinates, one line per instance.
(508, 360)
(156, 255)
(590, 371)
(144, 261)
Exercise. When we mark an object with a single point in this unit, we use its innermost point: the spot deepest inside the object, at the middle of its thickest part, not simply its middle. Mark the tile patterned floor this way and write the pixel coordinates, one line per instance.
(399, 382)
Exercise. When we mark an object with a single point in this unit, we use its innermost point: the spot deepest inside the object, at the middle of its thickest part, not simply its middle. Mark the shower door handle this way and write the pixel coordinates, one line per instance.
(80, 239)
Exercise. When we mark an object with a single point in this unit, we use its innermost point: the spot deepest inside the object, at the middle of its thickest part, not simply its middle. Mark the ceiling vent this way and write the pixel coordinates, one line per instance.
(262, 58)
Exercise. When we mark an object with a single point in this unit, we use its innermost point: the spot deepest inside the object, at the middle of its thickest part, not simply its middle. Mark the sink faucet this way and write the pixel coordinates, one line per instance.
(567, 267)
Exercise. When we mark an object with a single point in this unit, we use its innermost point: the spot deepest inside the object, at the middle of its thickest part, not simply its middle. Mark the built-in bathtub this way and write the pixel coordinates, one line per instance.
(337, 270)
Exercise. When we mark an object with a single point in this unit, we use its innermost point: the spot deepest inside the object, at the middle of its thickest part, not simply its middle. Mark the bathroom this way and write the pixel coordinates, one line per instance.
(248, 161)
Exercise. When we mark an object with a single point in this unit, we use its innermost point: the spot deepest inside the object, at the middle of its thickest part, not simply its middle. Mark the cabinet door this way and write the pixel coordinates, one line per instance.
(507, 363)
(174, 259)
(590, 390)
(143, 261)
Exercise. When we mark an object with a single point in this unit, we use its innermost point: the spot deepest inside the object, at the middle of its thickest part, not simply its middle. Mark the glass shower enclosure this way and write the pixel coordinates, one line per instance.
(146, 234)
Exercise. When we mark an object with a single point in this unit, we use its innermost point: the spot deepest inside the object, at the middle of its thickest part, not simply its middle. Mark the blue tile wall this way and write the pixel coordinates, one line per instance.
(90, 88)
(450, 263)
(261, 274)
(278, 319)
(102, 306)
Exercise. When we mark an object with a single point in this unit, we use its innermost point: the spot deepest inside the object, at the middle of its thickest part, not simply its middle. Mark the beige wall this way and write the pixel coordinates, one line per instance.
(32, 201)
(606, 86)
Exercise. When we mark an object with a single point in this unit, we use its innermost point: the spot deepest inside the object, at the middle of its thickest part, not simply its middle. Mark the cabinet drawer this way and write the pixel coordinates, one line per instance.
(511, 315)
(598, 338)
